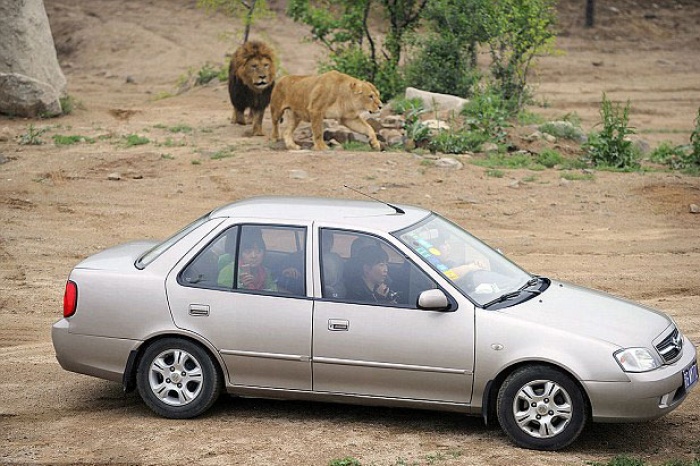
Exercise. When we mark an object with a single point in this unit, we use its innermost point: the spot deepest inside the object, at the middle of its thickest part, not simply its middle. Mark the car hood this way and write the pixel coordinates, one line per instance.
(594, 314)
(117, 257)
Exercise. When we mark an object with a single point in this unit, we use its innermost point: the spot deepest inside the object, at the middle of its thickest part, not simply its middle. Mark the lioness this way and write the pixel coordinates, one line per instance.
(329, 95)
(251, 77)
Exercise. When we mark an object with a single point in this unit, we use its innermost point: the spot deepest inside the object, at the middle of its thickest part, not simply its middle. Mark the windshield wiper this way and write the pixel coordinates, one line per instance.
(531, 282)
(514, 294)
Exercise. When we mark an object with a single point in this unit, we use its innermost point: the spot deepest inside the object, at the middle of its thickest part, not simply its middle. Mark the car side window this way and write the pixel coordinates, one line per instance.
(283, 262)
(205, 271)
(360, 268)
(252, 258)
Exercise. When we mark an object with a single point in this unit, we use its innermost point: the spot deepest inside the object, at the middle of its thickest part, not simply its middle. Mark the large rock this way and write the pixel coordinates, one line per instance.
(31, 80)
(435, 101)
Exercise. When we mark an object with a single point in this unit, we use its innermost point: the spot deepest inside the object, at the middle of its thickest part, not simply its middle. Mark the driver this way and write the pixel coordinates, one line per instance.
(457, 270)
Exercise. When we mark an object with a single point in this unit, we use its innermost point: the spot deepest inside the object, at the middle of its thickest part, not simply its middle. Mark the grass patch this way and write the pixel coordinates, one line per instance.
(347, 461)
(573, 176)
(356, 146)
(180, 128)
(170, 142)
(224, 153)
(494, 173)
(68, 104)
(63, 140)
(135, 140)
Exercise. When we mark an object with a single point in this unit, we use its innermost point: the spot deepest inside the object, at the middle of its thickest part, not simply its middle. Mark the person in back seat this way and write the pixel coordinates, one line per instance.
(332, 268)
(252, 274)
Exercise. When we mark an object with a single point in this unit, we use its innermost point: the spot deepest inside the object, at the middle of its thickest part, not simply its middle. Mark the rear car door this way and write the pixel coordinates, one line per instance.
(262, 332)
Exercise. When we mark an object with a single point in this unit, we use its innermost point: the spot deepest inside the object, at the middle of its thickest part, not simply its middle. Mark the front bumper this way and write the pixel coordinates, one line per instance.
(647, 395)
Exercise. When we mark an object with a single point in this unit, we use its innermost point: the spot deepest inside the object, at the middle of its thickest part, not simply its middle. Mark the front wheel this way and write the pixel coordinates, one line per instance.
(541, 408)
(177, 378)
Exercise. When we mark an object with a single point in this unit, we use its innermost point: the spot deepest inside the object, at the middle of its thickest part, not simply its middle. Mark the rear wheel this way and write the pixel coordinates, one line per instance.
(541, 408)
(177, 378)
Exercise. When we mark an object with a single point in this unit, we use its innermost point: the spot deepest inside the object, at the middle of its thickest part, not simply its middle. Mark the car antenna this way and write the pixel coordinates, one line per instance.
(398, 210)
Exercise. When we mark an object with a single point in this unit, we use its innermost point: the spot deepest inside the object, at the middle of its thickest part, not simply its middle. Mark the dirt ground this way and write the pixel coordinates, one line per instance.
(629, 234)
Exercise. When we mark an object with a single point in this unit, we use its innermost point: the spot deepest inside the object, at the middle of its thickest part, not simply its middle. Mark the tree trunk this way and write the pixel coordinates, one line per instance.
(590, 13)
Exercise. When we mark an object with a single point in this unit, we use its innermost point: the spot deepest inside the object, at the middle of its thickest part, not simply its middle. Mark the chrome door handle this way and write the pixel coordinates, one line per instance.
(335, 325)
(199, 310)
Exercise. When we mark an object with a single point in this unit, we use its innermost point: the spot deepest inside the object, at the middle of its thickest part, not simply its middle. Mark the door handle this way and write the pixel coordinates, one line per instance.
(199, 310)
(335, 325)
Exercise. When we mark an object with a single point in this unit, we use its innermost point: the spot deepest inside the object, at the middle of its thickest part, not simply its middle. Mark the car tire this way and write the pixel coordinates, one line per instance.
(541, 408)
(177, 378)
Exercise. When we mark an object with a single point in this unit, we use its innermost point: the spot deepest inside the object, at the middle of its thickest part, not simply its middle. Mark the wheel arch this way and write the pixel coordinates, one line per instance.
(135, 356)
(493, 386)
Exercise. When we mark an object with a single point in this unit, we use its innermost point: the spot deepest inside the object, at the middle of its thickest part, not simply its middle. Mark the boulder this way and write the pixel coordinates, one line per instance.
(435, 101)
(31, 80)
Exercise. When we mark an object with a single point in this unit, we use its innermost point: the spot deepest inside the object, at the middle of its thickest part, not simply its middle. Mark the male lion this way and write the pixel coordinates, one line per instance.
(251, 77)
(329, 95)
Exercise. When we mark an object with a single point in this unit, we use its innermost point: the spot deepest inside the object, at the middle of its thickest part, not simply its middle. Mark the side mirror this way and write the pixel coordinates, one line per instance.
(433, 299)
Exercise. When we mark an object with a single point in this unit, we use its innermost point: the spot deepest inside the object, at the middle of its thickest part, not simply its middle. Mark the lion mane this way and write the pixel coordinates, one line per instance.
(315, 97)
(251, 78)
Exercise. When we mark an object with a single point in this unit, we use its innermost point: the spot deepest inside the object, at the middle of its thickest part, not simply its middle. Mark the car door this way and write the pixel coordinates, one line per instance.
(263, 333)
(391, 349)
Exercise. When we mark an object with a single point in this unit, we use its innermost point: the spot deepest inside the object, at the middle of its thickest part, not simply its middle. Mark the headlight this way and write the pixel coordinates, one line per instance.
(636, 360)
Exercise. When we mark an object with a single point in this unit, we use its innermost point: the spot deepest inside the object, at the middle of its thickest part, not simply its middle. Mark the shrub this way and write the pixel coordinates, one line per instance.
(441, 65)
(457, 142)
(611, 147)
(549, 158)
(670, 155)
(488, 113)
(402, 106)
(33, 136)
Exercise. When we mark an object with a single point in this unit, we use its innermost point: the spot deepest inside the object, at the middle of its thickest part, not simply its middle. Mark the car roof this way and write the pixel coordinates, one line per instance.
(348, 212)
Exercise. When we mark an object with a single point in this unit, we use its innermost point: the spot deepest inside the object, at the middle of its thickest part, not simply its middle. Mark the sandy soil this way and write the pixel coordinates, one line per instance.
(629, 234)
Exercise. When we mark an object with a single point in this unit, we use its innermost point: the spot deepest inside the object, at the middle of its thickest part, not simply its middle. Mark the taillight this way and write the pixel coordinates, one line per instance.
(70, 299)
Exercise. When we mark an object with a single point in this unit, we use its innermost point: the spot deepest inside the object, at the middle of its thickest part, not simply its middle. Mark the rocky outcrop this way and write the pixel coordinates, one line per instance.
(31, 80)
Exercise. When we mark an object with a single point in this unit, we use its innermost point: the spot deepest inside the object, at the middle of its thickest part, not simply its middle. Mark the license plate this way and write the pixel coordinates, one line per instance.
(690, 375)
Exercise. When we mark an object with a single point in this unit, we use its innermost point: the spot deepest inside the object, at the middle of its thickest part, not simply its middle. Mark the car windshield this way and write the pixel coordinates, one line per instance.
(480, 272)
(153, 253)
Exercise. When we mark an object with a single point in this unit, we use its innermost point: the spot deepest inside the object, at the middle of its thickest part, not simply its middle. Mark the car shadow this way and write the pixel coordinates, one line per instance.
(399, 419)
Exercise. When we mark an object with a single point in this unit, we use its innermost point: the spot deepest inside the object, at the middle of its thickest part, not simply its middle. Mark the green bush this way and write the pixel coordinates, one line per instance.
(441, 65)
(402, 106)
(209, 72)
(670, 155)
(488, 113)
(457, 142)
(549, 158)
(610, 147)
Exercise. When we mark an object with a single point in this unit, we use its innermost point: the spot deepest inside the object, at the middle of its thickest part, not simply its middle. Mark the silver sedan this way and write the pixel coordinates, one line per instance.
(365, 302)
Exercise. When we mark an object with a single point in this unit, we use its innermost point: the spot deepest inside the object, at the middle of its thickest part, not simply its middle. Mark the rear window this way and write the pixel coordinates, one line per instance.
(159, 249)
